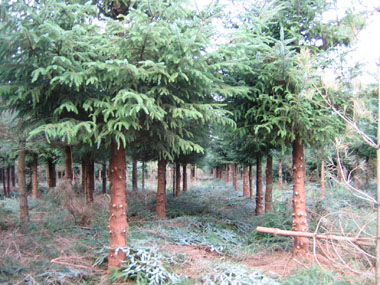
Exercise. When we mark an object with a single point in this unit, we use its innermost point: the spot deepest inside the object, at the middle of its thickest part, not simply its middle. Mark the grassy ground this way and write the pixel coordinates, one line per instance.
(209, 237)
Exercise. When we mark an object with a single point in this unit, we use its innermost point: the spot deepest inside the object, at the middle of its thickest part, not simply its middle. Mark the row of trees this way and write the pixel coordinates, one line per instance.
(160, 81)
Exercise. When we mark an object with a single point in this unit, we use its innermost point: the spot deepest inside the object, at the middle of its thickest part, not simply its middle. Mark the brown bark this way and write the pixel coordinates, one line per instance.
(134, 175)
(177, 179)
(68, 164)
(104, 178)
(269, 184)
(250, 182)
(259, 187)
(301, 244)
(90, 178)
(245, 181)
(226, 173)
(13, 176)
(161, 189)
(52, 175)
(4, 181)
(24, 211)
(358, 180)
(8, 181)
(35, 176)
(143, 175)
(83, 176)
(234, 177)
(323, 186)
(192, 172)
(173, 178)
(118, 225)
(184, 177)
(280, 181)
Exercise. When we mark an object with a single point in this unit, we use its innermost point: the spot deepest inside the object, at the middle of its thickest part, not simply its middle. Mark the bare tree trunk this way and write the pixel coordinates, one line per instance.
(24, 211)
(269, 184)
(245, 181)
(143, 175)
(280, 181)
(35, 176)
(358, 180)
(13, 176)
(134, 175)
(118, 225)
(104, 177)
(234, 177)
(227, 174)
(259, 187)
(68, 165)
(301, 244)
(178, 179)
(323, 187)
(250, 182)
(4, 181)
(174, 177)
(52, 176)
(8, 181)
(83, 176)
(184, 178)
(161, 189)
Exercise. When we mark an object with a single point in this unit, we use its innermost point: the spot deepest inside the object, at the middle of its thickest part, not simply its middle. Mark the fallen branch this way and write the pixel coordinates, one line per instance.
(62, 261)
(358, 241)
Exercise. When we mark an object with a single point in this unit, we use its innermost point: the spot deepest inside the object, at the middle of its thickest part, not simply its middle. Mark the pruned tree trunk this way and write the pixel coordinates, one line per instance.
(8, 181)
(134, 175)
(174, 177)
(250, 182)
(92, 180)
(161, 190)
(178, 179)
(226, 173)
(52, 175)
(13, 176)
(259, 187)
(269, 184)
(192, 173)
(4, 182)
(35, 176)
(245, 181)
(323, 186)
(24, 211)
(358, 180)
(104, 178)
(301, 244)
(280, 181)
(118, 225)
(234, 177)
(68, 164)
(83, 176)
(184, 179)
(143, 175)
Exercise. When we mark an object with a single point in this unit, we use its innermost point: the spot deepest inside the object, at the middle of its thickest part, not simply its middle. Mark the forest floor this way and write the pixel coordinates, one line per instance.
(209, 237)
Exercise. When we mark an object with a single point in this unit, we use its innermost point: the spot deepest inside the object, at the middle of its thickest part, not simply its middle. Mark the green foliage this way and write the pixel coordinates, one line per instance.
(315, 275)
(233, 274)
(143, 265)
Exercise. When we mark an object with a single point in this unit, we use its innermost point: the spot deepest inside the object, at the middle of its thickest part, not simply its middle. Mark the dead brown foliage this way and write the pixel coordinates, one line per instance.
(77, 206)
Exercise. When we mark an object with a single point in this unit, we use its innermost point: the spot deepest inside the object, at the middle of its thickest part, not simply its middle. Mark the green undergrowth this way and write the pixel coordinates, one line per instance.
(210, 218)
